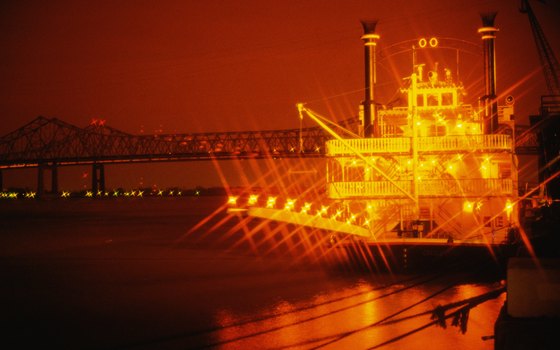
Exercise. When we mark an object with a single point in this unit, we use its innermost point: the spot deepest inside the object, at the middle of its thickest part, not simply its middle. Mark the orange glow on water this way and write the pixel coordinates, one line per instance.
(374, 313)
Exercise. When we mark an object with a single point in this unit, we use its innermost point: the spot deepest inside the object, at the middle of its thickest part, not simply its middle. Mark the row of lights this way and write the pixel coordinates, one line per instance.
(290, 205)
(469, 207)
(91, 194)
(136, 193)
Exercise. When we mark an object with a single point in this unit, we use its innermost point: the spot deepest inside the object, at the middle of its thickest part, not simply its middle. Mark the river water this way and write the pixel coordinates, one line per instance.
(129, 274)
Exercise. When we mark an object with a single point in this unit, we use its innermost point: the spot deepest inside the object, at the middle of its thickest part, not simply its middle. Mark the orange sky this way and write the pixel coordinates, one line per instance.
(192, 66)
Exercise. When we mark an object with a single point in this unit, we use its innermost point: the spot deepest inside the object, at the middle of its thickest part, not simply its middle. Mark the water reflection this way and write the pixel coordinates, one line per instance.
(143, 290)
(364, 315)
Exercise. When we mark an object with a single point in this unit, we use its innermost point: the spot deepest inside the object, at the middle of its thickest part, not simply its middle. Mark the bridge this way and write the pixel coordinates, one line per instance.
(48, 143)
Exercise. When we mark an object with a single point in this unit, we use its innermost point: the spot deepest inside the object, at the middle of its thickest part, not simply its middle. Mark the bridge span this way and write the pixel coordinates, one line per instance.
(48, 143)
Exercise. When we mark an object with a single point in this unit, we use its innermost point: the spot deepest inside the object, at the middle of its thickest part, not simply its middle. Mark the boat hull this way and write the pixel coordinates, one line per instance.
(410, 256)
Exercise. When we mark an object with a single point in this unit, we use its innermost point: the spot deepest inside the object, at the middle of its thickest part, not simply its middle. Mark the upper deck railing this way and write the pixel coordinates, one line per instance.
(426, 188)
(454, 143)
(465, 109)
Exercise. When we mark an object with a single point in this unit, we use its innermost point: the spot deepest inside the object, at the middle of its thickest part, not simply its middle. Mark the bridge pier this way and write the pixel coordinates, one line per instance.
(54, 178)
(40, 180)
(1, 180)
(98, 178)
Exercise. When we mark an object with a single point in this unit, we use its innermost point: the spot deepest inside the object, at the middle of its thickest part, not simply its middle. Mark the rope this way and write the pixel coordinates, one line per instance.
(279, 314)
(460, 316)
(383, 320)
(276, 328)
(328, 121)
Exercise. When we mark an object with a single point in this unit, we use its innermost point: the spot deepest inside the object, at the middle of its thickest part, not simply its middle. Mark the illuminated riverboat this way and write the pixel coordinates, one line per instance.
(434, 177)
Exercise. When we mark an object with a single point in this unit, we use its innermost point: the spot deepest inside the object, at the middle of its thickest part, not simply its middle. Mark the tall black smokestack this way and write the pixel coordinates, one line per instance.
(488, 32)
(371, 124)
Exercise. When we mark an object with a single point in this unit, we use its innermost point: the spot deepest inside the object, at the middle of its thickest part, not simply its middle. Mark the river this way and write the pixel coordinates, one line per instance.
(128, 273)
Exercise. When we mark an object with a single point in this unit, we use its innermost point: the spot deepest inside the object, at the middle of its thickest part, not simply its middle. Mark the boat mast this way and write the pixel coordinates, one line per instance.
(413, 110)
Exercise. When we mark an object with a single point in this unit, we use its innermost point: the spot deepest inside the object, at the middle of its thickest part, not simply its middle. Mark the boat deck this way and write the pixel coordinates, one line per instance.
(433, 241)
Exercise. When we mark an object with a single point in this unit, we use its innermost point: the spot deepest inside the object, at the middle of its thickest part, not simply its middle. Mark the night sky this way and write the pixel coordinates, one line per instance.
(200, 66)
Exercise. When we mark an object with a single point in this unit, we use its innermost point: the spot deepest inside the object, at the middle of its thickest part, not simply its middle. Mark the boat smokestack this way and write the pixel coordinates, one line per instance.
(488, 32)
(371, 124)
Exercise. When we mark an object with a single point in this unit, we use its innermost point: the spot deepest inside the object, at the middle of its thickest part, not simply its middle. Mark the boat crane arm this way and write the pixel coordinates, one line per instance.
(311, 114)
(548, 60)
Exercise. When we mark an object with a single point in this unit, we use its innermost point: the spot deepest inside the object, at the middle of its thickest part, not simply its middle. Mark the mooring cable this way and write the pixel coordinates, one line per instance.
(380, 322)
(440, 319)
(385, 321)
(313, 318)
(272, 316)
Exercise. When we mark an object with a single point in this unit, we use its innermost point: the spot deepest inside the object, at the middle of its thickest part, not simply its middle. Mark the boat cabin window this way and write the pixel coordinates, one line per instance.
(447, 99)
(504, 170)
(437, 130)
(432, 100)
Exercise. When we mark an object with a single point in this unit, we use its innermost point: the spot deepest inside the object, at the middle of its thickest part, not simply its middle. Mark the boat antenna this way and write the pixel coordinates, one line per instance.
(457, 66)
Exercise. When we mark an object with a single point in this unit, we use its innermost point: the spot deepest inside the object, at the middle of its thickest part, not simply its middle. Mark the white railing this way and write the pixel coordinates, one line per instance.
(427, 188)
(469, 187)
(497, 142)
(340, 190)
(367, 146)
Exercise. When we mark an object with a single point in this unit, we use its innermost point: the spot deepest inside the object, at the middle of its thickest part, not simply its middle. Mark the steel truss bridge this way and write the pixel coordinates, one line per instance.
(46, 144)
